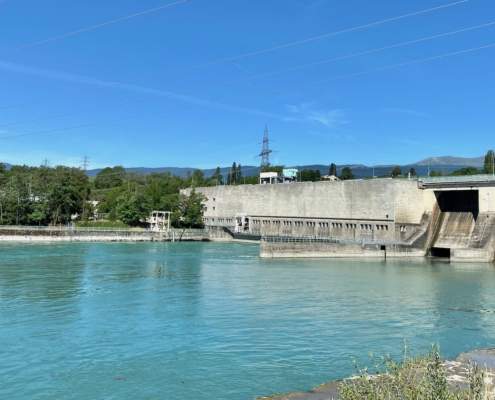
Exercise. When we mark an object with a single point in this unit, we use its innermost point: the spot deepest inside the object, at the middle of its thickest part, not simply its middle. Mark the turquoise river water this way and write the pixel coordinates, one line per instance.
(213, 321)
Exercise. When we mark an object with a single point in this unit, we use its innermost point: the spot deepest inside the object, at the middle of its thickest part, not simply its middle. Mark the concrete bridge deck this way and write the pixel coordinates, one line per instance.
(468, 182)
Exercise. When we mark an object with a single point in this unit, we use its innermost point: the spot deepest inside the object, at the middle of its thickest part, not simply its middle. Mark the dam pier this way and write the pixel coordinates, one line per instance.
(452, 217)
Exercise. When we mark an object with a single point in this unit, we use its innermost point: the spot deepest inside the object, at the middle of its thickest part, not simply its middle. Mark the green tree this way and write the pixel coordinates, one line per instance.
(239, 173)
(396, 172)
(217, 177)
(347, 174)
(68, 189)
(411, 171)
(40, 213)
(197, 178)
(332, 170)
(17, 195)
(310, 175)
(232, 176)
(133, 208)
(489, 164)
(89, 212)
(109, 177)
(466, 171)
(190, 210)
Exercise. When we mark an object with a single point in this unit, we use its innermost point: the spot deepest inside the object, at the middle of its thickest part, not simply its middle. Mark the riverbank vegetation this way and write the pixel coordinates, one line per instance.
(420, 378)
(53, 196)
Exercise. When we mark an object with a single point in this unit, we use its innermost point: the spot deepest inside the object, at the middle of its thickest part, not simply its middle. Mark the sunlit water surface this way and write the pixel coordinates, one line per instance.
(213, 321)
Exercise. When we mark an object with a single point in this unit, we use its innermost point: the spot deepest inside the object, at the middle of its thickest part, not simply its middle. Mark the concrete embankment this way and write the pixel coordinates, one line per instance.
(67, 235)
(322, 249)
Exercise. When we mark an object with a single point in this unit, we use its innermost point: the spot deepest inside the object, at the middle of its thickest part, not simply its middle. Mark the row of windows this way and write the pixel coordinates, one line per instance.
(221, 220)
(335, 225)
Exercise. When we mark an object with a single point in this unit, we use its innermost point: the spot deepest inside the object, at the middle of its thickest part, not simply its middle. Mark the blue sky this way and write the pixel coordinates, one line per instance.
(362, 108)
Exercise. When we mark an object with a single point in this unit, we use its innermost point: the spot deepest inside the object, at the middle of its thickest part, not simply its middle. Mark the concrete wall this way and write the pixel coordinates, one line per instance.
(33, 235)
(486, 199)
(380, 209)
(336, 250)
(377, 200)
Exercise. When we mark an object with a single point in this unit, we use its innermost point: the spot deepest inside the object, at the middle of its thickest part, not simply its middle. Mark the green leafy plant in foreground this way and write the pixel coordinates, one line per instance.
(420, 378)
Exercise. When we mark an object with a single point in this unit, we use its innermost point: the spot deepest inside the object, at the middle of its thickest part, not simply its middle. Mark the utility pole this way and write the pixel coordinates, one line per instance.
(85, 163)
(265, 153)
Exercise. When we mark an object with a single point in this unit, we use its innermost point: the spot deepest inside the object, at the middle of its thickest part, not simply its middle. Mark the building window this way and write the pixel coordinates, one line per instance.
(213, 208)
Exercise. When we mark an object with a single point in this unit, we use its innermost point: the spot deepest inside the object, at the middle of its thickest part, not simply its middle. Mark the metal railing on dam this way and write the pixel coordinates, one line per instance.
(327, 239)
(221, 224)
(95, 229)
(435, 182)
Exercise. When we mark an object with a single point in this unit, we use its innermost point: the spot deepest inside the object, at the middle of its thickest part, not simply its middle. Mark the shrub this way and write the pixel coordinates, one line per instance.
(421, 378)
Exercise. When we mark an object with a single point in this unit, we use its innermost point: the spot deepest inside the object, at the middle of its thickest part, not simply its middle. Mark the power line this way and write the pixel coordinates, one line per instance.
(254, 94)
(232, 58)
(90, 28)
(252, 77)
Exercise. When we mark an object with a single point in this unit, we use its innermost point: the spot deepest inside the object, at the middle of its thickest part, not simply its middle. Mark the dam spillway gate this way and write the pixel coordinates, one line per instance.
(463, 223)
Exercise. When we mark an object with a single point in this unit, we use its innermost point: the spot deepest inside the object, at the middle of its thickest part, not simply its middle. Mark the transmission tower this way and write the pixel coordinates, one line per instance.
(84, 162)
(45, 162)
(265, 153)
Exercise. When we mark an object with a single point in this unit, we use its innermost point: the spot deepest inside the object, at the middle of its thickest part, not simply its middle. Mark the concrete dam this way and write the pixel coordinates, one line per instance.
(439, 217)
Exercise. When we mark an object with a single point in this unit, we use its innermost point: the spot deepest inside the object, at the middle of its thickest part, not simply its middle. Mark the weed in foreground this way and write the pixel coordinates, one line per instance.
(420, 378)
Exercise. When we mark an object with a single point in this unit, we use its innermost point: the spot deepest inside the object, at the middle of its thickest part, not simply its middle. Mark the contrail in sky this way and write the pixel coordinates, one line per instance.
(244, 69)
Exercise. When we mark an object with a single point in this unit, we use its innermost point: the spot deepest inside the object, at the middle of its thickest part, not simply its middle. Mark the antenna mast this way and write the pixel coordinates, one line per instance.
(265, 153)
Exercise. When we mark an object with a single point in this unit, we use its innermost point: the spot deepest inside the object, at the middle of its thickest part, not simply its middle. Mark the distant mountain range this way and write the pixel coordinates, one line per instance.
(449, 160)
(447, 164)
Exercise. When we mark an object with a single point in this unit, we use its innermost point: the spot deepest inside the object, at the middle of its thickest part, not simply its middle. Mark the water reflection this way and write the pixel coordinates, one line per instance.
(40, 272)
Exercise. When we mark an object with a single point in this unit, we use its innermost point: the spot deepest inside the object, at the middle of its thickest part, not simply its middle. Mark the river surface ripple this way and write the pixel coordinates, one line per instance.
(213, 321)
